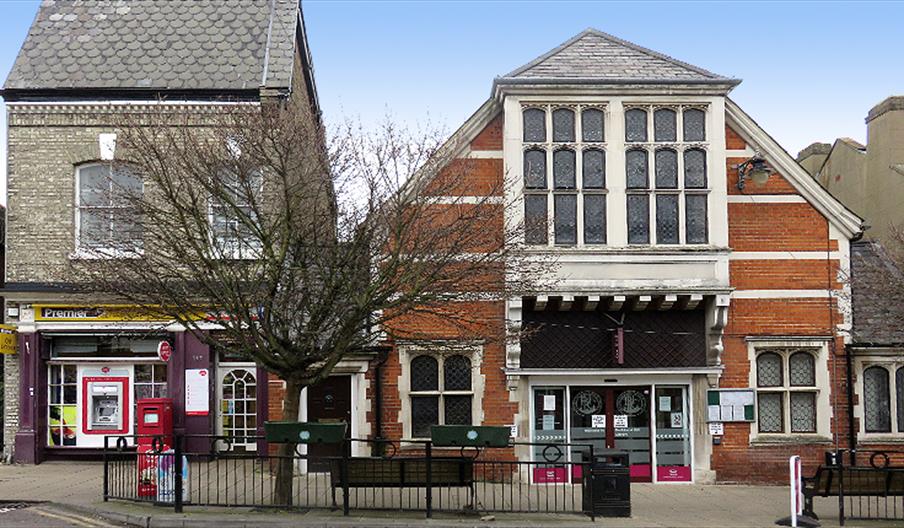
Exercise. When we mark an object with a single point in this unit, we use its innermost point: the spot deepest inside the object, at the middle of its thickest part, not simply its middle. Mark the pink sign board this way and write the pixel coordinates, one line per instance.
(673, 473)
(641, 471)
(550, 475)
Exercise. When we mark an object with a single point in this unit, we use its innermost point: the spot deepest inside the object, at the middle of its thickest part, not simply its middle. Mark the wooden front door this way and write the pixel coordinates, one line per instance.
(330, 401)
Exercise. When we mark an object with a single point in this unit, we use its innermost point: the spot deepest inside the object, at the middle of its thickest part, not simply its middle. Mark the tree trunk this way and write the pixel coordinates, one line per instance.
(285, 466)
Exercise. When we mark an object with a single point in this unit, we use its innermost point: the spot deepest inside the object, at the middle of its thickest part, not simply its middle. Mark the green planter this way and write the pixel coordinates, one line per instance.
(469, 435)
(304, 433)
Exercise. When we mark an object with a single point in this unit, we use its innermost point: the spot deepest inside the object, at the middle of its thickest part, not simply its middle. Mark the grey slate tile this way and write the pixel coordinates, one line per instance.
(875, 281)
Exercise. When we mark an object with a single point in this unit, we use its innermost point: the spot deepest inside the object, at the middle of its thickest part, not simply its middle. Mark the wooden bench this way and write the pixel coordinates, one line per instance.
(859, 481)
(376, 472)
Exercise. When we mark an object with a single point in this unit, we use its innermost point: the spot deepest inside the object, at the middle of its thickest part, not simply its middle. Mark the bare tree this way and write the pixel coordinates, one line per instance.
(248, 229)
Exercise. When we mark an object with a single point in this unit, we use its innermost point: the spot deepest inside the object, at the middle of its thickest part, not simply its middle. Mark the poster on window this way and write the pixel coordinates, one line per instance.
(197, 392)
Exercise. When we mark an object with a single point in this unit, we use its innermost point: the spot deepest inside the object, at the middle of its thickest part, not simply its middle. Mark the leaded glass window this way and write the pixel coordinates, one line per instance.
(803, 412)
(535, 169)
(594, 169)
(445, 400)
(769, 370)
(667, 219)
(695, 169)
(563, 125)
(563, 169)
(876, 402)
(566, 218)
(694, 125)
(899, 397)
(457, 373)
(534, 126)
(635, 125)
(801, 370)
(592, 125)
(665, 125)
(535, 219)
(594, 219)
(666, 169)
(638, 219)
(636, 169)
(770, 412)
(695, 217)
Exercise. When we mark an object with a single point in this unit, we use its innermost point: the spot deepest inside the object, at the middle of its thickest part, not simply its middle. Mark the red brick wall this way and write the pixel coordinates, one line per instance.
(490, 138)
(784, 274)
(777, 227)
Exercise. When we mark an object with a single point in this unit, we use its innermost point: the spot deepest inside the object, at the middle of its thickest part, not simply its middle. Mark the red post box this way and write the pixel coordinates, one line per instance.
(155, 420)
(155, 417)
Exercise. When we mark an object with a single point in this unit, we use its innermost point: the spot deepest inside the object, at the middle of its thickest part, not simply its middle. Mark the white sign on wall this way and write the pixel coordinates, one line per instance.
(197, 392)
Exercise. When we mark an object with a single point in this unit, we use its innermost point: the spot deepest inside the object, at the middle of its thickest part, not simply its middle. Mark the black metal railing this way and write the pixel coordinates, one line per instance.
(358, 474)
(870, 485)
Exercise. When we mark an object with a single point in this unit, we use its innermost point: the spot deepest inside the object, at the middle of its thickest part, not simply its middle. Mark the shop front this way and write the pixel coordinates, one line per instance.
(651, 422)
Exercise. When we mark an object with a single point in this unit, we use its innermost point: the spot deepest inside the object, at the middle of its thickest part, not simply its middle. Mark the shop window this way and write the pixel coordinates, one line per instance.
(149, 382)
(94, 347)
(883, 397)
(62, 419)
(436, 399)
(106, 218)
(786, 391)
(233, 215)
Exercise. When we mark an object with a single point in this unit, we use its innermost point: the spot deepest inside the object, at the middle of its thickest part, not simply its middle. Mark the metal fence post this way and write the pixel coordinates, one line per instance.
(429, 459)
(343, 474)
(177, 468)
(106, 469)
(840, 457)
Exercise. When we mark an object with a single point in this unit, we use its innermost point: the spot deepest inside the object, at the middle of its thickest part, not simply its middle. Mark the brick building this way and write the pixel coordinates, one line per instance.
(82, 68)
(698, 319)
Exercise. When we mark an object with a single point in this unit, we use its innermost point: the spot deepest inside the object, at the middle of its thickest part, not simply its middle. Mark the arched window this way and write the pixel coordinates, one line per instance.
(769, 370)
(535, 168)
(635, 125)
(876, 402)
(440, 400)
(666, 169)
(592, 123)
(594, 169)
(563, 125)
(694, 125)
(695, 168)
(664, 125)
(637, 168)
(238, 412)
(534, 125)
(563, 169)
(107, 218)
(786, 391)
(801, 369)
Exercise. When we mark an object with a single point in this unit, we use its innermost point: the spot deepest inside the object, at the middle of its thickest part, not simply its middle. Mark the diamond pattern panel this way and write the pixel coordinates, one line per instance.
(696, 219)
(594, 219)
(694, 125)
(424, 413)
(635, 125)
(802, 370)
(563, 169)
(592, 125)
(594, 169)
(667, 219)
(666, 169)
(876, 404)
(424, 374)
(899, 387)
(636, 168)
(695, 169)
(457, 410)
(563, 125)
(769, 411)
(803, 412)
(457, 373)
(535, 221)
(566, 218)
(769, 370)
(534, 125)
(665, 125)
(638, 219)
(535, 169)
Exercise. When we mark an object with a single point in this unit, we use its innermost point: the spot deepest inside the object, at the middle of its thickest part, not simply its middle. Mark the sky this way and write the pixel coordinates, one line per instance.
(811, 70)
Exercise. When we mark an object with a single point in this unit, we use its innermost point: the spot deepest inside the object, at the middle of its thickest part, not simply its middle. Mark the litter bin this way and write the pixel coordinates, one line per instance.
(607, 489)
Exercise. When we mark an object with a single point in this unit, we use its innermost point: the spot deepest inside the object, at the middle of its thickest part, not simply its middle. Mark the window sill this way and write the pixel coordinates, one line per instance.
(105, 254)
(669, 249)
(874, 439)
(792, 439)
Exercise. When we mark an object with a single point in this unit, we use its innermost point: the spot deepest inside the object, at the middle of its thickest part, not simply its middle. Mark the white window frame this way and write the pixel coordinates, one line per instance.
(891, 363)
(83, 252)
(823, 410)
(408, 352)
(62, 385)
(680, 146)
(235, 248)
(578, 146)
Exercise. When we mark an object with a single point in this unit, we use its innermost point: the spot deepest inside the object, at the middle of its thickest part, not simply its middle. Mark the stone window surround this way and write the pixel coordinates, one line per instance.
(891, 361)
(616, 146)
(408, 351)
(820, 349)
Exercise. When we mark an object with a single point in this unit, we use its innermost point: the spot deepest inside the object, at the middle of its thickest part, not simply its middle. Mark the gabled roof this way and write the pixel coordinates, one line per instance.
(594, 57)
(158, 45)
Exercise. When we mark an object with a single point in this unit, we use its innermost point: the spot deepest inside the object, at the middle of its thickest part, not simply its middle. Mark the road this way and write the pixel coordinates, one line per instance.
(15, 515)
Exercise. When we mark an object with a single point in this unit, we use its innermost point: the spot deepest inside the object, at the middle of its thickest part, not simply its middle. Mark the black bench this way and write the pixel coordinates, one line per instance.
(376, 472)
(859, 481)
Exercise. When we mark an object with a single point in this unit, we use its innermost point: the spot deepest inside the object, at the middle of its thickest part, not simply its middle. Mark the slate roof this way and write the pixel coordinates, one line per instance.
(875, 287)
(596, 57)
(158, 45)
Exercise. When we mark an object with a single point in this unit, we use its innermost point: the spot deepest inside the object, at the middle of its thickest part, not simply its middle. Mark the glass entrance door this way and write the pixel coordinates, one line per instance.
(631, 428)
(673, 438)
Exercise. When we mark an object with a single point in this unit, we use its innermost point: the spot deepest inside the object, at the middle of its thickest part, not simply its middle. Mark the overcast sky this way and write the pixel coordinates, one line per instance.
(811, 70)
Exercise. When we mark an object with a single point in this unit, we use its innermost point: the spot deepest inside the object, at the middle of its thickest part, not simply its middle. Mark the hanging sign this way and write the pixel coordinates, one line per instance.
(164, 351)
(197, 392)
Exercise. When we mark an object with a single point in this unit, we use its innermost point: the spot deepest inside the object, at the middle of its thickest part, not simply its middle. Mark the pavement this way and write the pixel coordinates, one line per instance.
(58, 493)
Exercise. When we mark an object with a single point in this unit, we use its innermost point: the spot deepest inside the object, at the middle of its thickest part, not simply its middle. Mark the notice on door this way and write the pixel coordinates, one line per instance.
(598, 421)
(197, 392)
(621, 421)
